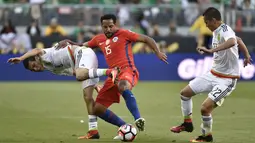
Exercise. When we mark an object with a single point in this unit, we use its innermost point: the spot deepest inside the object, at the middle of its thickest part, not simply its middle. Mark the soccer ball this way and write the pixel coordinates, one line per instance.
(127, 133)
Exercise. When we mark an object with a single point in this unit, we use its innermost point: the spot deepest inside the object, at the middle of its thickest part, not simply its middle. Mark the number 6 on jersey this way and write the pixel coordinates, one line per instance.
(108, 50)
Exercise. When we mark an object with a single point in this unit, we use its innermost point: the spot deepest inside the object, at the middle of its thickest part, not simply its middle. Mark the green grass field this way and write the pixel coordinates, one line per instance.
(50, 112)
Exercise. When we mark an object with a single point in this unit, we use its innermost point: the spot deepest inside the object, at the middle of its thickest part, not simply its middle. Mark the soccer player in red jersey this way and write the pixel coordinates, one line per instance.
(116, 45)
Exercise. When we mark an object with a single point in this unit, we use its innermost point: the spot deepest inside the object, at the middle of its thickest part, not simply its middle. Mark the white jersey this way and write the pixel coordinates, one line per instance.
(225, 62)
(58, 61)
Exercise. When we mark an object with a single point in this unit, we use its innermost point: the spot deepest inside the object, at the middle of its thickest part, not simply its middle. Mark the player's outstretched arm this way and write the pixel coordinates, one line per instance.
(226, 45)
(63, 43)
(244, 50)
(152, 44)
(31, 53)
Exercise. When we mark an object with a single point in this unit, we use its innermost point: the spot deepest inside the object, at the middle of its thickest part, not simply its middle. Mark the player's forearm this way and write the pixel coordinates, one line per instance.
(31, 53)
(226, 45)
(72, 43)
(243, 47)
(152, 44)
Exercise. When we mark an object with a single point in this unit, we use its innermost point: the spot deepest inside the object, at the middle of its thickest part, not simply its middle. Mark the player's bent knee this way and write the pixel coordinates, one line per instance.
(123, 85)
(187, 92)
(87, 97)
(82, 74)
(99, 109)
(206, 109)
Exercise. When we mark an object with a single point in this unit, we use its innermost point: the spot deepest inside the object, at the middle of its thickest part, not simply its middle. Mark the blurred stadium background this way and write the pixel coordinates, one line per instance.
(45, 108)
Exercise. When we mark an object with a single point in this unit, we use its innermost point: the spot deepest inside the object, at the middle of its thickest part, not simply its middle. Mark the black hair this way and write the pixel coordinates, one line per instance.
(211, 13)
(27, 60)
(109, 17)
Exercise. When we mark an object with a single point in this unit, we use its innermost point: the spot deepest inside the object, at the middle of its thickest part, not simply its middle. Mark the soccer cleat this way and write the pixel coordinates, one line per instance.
(140, 123)
(93, 134)
(186, 126)
(202, 138)
(117, 137)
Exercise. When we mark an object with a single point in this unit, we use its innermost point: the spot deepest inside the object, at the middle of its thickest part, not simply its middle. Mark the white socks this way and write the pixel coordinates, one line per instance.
(92, 122)
(186, 106)
(206, 125)
(94, 73)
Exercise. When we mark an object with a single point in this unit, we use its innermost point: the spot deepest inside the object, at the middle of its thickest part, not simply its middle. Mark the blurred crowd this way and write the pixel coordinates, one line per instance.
(147, 20)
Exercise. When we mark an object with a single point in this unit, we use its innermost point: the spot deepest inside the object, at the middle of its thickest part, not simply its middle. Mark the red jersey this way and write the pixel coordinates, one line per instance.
(117, 49)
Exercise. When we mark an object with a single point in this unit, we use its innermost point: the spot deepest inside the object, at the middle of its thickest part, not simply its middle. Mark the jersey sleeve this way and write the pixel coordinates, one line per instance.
(131, 36)
(93, 42)
(227, 32)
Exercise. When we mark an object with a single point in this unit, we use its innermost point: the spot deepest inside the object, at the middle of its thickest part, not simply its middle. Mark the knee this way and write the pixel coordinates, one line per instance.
(123, 85)
(97, 109)
(87, 97)
(81, 74)
(79, 77)
(182, 93)
(187, 92)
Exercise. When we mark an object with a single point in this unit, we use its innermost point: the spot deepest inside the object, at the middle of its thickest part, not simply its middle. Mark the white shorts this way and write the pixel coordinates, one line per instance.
(86, 58)
(218, 88)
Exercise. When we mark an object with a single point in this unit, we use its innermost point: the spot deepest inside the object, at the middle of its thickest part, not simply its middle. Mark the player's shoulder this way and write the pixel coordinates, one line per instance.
(225, 28)
(125, 31)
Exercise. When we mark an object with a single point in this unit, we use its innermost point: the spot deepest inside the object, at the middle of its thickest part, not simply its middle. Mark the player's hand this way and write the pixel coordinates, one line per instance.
(202, 50)
(247, 61)
(62, 44)
(162, 56)
(15, 60)
(199, 51)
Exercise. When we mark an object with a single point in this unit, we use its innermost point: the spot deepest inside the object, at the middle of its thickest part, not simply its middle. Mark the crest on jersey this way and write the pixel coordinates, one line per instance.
(115, 39)
(107, 42)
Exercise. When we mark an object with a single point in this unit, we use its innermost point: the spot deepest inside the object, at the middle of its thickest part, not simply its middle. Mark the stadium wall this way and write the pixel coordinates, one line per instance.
(183, 66)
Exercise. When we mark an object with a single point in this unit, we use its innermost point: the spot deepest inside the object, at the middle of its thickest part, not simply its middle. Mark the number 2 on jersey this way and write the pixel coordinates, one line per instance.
(108, 50)
(216, 92)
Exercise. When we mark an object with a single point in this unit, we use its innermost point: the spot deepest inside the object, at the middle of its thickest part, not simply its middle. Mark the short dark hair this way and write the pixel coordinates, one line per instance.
(211, 13)
(108, 17)
(26, 61)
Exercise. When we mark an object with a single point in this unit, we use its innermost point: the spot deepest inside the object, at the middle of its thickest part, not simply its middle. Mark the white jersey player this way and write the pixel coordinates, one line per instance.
(219, 82)
(71, 60)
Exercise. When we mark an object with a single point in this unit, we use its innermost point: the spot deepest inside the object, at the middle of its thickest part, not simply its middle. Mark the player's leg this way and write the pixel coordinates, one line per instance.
(126, 81)
(102, 111)
(198, 85)
(87, 58)
(186, 107)
(222, 88)
(108, 95)
(95, 72)
(206, 109)
(88, 88)
(84, 73)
